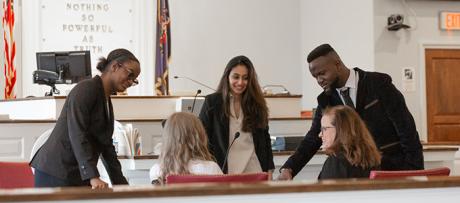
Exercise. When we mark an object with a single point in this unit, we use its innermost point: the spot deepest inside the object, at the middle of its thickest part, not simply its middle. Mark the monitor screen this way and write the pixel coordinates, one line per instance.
(72, 66)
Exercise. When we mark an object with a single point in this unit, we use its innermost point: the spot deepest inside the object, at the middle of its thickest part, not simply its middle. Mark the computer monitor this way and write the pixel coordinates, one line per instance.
(71, 66)
(62, 68)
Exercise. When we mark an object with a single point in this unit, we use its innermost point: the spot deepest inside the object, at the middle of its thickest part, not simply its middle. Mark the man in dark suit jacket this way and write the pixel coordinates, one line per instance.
(377, 101)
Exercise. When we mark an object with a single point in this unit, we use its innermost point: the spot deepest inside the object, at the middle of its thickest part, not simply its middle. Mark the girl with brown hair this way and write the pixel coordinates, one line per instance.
(236, 121)
(346, 139)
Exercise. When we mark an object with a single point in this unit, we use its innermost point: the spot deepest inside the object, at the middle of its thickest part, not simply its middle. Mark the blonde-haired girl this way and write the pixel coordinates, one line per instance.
(184, 149)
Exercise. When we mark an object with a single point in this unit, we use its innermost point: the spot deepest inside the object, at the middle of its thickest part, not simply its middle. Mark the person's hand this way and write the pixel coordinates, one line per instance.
(270, 175)
(286, 174)
(97, 183)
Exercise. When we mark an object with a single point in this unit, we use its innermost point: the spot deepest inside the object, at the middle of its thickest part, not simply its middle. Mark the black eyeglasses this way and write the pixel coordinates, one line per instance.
(131, 75)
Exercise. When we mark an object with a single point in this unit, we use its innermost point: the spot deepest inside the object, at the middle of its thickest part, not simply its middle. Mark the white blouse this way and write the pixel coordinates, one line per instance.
(198, 167)
(242, 156)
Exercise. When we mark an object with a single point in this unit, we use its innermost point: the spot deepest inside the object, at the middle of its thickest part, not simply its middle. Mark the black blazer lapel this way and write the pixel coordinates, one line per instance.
(107, 106)
(112, 117)
(225, 134)
(332, 99)
(335, 99)
(223, 122)
(362, 90)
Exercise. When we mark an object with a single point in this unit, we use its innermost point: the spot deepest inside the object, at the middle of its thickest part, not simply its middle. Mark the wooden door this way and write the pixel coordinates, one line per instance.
(443, 94)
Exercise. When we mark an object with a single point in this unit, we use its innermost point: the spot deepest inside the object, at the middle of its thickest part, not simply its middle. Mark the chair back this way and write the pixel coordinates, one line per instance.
(39, 142)
(442, 171)
(233, 178)
(16, 175)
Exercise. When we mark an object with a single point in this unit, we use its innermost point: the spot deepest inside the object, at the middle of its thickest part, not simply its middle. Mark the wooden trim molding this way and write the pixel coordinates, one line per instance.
(138, 120)
(284, 96)
(28, 121)
(437, 148)
(210, 189)
(442, 143)
(32, 98)
(139, 157)
(139, 97)
(288, 118)
(426, 148)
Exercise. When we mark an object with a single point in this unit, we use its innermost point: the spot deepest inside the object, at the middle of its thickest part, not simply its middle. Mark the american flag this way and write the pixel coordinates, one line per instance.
(9, 49)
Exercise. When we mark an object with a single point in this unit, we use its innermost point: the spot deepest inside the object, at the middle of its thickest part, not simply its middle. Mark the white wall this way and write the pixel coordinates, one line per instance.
(346, 25)
(141, 42)
(396, 50)
(277, 36)
(206, 34)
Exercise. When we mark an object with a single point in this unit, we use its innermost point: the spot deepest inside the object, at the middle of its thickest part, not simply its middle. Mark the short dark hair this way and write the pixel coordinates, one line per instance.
(321, 50)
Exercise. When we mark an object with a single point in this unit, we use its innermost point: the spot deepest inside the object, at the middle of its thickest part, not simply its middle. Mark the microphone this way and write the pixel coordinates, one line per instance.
(194, 99)
(237, 135)
(177, 77)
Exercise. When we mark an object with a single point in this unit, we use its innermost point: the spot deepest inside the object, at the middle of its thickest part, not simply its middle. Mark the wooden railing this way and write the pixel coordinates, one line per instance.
(228, 190)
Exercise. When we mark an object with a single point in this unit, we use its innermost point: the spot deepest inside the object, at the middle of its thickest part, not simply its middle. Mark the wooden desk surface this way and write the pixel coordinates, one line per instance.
(137, 120)
(426, 148)
(209, 189)
(139, 97)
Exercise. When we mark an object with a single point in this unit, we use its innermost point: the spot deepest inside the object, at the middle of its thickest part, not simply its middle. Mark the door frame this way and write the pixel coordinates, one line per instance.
(422, 83)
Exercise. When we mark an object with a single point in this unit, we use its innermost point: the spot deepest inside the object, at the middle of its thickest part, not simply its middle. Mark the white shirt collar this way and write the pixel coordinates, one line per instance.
(351, 81)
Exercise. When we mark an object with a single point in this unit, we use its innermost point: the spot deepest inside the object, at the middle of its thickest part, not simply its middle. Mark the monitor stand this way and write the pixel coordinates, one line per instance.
(52, 90)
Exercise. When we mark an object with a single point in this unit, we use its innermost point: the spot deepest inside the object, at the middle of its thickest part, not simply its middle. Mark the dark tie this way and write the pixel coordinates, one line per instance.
(346, 97)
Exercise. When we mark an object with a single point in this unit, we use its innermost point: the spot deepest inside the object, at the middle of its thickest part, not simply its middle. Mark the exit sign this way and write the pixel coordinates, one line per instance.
(449, 20)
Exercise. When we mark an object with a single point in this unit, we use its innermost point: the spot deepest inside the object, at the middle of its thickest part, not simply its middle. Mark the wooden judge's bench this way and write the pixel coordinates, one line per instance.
(24, 120)
(420, 190)
(28, 118)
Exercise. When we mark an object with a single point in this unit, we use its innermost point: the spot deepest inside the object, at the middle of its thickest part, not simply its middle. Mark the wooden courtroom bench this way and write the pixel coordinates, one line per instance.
(421, 189)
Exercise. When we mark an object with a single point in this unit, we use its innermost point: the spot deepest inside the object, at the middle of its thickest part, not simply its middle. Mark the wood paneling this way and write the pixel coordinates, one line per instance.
(443, 95)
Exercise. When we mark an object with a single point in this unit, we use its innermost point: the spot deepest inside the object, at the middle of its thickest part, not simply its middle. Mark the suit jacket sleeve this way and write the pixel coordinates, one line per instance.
(403, 122)
(271, 164)
(333, 168)
(308, 147)
(206, 120)
(111, 163)
(78, 122)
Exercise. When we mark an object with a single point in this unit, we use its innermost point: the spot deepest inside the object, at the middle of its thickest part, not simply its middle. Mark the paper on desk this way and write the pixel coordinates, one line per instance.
(132, 137)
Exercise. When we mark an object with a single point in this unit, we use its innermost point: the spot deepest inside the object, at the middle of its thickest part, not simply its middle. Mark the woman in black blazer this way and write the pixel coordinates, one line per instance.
(349, 145)
(84, 129)
(236, 121)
